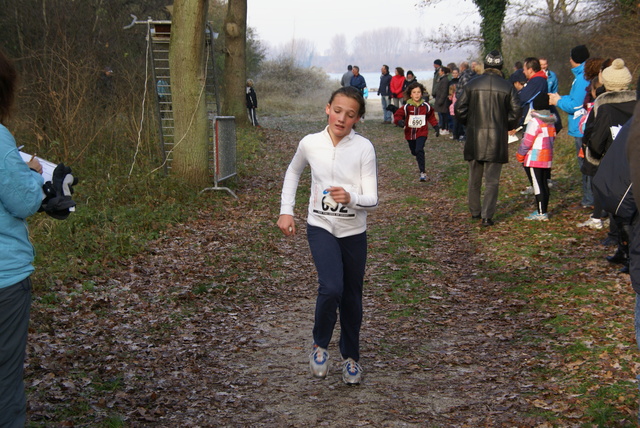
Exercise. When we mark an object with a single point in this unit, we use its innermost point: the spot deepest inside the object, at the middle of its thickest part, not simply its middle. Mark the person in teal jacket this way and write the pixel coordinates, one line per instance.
(20, 197)
(572, 104)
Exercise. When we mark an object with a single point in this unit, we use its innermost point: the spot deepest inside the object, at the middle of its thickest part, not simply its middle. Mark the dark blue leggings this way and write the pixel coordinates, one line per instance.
(340, 263)
(417, 149)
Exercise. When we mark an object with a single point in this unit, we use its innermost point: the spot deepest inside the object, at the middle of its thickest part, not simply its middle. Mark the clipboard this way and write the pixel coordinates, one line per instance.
(47, 167)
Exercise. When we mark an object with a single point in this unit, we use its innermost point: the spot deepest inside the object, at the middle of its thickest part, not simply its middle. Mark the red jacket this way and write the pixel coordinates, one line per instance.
(406, 111)
(397, 82)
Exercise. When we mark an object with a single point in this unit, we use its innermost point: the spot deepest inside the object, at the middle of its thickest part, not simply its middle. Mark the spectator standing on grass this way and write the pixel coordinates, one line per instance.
(611, 110)
(454, 127)
(467, 72)
(572, 104)
(410, 79)
(384, 91)
(344, 188)
(633, 157)
(536, 153)
(552, 79)
(357, 81)
(415, 117)
(252, 103)
(489, 107)
(346, 77)
(442, 100)
(436, 75)
(20, 197)
(397, 87)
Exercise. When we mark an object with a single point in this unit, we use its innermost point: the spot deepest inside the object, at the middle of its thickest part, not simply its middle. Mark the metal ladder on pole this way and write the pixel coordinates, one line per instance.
(159, 36)
(222, 153)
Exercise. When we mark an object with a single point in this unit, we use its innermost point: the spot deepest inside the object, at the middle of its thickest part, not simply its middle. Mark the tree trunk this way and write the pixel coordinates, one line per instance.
(235, 30)
(492, 13)
(188, 75)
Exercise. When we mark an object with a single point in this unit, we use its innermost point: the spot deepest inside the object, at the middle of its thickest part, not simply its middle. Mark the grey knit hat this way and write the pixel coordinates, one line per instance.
(616, 77)
(493, 60)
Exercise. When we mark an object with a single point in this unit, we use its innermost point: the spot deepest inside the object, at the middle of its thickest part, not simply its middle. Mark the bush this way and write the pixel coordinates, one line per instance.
(282, 86)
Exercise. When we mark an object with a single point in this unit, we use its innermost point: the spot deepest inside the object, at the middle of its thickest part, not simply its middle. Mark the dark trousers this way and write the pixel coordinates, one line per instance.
(444, 120)
(491, 172)
(252, 116)
(417, 149)
(15, 303)
(539, 179)
(340, 263)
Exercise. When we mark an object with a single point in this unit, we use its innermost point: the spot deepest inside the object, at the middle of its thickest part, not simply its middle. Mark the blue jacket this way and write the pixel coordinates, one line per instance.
(358, 82)
(20, 197)
(385, 81)
(552, 82)
(572, 103)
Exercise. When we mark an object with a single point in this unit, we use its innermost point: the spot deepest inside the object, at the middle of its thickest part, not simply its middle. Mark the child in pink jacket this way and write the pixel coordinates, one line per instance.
(536, 154)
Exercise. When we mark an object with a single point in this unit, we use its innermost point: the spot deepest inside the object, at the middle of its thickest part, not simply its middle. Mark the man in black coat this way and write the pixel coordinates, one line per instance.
(489, 107)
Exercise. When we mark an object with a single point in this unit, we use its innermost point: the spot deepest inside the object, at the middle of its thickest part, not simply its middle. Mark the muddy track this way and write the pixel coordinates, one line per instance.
(452, 360)
(457, 363)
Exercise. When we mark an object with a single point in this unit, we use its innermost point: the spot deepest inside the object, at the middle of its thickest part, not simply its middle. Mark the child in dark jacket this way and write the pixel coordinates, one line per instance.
(252, 103)
(415, 117)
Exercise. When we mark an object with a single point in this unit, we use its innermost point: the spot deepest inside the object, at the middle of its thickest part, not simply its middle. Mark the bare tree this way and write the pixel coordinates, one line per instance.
(187, 63)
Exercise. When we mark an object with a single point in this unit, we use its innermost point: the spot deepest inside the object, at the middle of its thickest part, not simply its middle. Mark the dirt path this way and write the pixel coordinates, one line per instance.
(220, 357)
(454, 365)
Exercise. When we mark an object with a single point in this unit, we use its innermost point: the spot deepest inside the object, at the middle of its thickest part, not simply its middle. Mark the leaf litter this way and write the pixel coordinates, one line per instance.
(211, 324)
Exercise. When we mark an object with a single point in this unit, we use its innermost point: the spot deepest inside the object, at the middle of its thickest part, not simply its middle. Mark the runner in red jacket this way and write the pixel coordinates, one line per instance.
(415, 117)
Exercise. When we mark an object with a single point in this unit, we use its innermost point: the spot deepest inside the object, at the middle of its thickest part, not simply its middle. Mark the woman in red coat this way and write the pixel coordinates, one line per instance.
(396, 87)
(415, 116)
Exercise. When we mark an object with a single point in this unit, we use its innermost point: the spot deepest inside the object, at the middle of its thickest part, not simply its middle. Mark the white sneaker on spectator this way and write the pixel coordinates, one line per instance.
(592, 223)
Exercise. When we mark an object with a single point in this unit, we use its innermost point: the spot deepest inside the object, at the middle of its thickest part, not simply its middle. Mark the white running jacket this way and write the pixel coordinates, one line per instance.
(351, 164)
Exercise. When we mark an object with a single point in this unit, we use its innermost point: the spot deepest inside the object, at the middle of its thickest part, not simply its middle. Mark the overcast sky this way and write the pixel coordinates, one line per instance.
(279, 21)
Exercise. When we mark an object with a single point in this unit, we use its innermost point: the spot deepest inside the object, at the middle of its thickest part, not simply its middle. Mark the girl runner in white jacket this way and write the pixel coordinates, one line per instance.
(344, 187)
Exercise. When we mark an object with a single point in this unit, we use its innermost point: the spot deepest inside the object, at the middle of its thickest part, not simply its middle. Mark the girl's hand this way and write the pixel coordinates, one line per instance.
(287, 224)
(339, 195)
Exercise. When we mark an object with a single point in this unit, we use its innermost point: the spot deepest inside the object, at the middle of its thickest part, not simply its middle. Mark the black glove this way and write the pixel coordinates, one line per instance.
(401, 123)
(57, 202)
(437, 129)
(392, 108)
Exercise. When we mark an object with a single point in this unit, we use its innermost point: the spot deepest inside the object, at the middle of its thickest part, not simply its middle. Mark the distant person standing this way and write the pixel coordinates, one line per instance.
(346, 77)
(357, 81)
(252, 103)
(397, 87)
(437, 64)
(490, 108)
(552, 79)
(106, 87)
(572, 104)
(442, 100)
(384, 90)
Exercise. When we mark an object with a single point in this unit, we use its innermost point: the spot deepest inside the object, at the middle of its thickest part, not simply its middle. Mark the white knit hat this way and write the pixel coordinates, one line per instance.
(616, 77)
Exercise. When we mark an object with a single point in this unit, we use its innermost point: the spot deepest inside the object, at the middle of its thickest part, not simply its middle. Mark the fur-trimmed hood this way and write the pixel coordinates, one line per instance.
(613, 97)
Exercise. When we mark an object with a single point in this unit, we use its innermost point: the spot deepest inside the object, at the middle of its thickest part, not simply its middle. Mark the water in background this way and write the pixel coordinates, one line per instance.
(373, 79)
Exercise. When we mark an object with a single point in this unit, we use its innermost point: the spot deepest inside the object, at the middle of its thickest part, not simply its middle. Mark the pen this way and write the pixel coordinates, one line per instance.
(33, 157)
(21, 147)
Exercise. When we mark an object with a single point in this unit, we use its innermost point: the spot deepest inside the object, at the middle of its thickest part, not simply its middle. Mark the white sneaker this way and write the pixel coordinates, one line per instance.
(592, 223)
(423, 176)
(319, 362)
(527, 191)
(351, 372)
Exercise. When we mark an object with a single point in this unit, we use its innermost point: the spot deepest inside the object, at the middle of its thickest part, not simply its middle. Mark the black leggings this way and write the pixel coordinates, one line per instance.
(539, 177)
